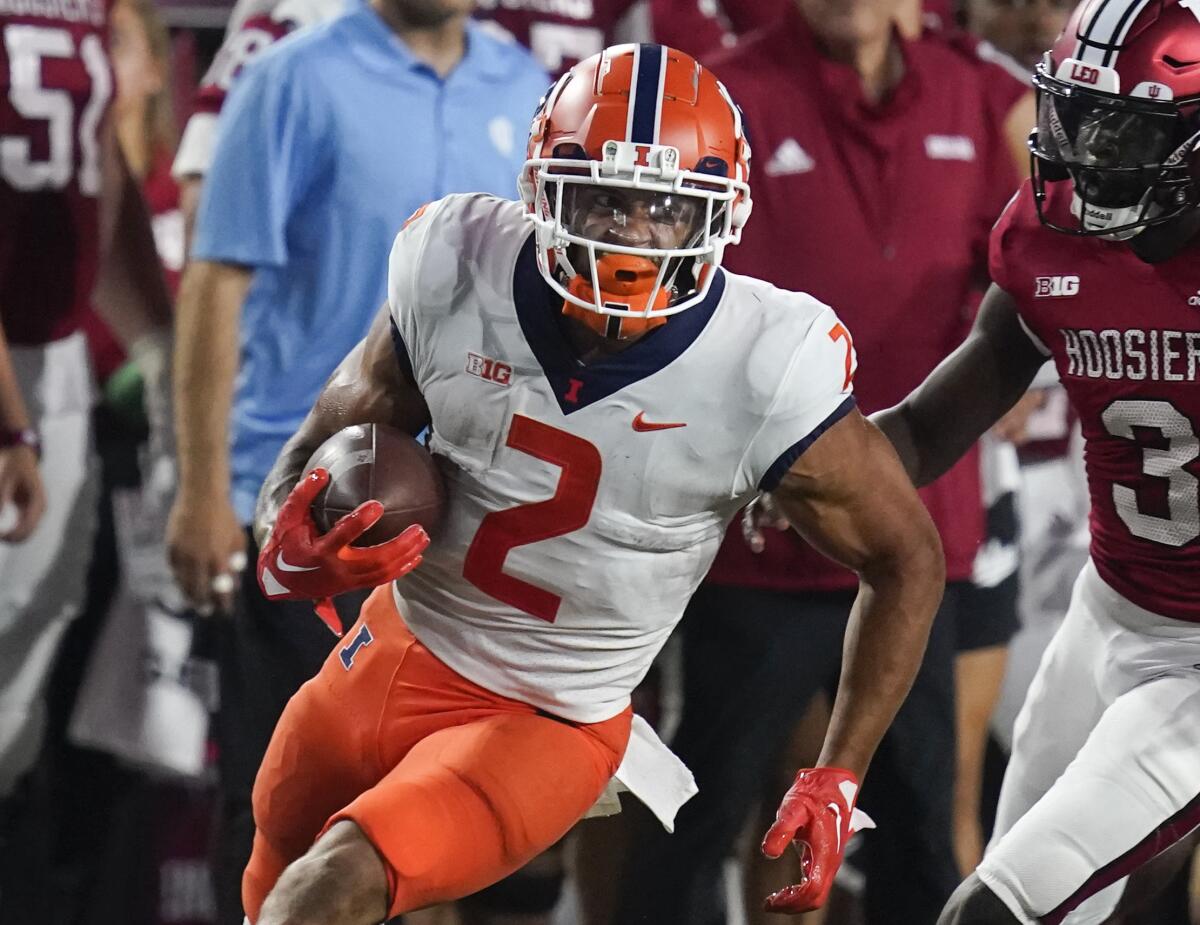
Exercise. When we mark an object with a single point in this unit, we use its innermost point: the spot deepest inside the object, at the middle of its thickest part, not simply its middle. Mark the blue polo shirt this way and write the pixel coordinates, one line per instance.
(329, 141)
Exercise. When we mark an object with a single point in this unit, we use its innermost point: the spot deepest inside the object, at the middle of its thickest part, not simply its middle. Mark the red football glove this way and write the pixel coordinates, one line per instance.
(818, 815)
(300, 563)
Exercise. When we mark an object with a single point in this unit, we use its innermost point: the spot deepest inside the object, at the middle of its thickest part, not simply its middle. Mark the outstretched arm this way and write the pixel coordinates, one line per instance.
(369, 386)
(850, 498)
(968, 392)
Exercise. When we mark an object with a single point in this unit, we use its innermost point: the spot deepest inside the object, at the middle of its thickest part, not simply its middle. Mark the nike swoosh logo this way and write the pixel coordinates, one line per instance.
(284, 567)
(837, 811)
(641, 425)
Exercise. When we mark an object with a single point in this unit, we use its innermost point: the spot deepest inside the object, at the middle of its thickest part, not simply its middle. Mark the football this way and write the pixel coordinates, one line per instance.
(376, 462)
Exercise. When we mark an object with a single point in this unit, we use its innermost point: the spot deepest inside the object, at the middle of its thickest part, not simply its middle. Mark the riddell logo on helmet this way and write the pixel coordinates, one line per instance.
(1053, 287)
(1081, 73)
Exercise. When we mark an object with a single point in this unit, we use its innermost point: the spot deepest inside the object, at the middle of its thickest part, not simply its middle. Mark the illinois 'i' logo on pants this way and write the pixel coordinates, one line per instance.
(362, 638)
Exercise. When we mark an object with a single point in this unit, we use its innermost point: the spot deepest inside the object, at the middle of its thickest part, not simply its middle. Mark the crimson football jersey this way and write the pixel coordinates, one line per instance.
(1125, 336)
(55, 87)
(883, 212)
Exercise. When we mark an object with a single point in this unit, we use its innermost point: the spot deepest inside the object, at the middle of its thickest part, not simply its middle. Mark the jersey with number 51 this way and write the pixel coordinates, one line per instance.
(1125, 336)
(55, 87)
(586, 502)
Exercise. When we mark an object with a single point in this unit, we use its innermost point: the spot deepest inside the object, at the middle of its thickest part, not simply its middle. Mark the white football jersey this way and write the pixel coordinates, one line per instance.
(586, 503)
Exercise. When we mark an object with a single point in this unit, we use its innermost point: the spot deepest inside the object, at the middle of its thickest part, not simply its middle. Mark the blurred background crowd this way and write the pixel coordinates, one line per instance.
(886, 138)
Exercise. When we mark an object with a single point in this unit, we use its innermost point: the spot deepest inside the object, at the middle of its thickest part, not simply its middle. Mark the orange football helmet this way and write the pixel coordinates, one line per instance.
(637, 137)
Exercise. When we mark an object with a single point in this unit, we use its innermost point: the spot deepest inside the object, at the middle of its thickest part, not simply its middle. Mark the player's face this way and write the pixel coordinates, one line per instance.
(1113, 155)
(139, 76)
(850, 22)
(1023, 29)
(632, 218)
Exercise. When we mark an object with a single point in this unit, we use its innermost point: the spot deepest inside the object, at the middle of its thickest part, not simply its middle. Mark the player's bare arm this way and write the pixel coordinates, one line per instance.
(966, 394)
(203, 533)
(368, 386)
(850, 498)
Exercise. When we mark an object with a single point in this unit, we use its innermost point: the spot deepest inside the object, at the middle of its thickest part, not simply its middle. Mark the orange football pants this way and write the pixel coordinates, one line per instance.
(455, 786)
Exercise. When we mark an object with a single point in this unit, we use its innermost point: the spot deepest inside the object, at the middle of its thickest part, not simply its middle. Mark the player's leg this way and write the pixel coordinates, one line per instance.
(1062, 706)
(42, 580)
(1132, 792)
(321, 755)
(986, 621)
(974, 903)
(465, 807)
(266, 650)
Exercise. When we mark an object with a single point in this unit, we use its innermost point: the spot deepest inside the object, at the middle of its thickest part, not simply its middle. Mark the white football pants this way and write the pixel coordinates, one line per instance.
(42, 580)
(1105, 771)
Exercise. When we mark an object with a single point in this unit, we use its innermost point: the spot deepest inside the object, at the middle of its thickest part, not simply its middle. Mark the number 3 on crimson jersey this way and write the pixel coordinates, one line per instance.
(567, 511)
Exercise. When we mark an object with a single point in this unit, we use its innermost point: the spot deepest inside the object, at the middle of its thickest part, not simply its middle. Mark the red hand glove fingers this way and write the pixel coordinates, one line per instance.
(790, 899)
(349, 528)
(295, 508)
(792, 815)
(410, 543)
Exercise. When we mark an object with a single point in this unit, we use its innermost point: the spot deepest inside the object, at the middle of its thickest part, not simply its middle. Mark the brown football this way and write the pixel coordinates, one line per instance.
(376, 462)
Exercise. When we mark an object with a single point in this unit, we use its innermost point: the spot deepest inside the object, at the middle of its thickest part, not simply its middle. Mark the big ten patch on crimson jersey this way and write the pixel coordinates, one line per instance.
(1125, 337)
(55, 88)
(585, 503)
(254, 25)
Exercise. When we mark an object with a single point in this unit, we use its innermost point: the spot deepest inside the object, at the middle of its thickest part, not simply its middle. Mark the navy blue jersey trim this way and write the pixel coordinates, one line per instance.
(575, 385)
(645, 99)
(402, 355)
(774, 475)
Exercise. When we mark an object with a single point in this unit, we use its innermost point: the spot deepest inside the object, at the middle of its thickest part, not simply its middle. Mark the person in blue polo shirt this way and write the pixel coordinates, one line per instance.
(328, 142)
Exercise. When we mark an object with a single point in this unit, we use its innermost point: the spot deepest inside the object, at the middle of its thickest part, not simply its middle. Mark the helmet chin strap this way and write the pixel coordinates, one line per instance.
(1094, 216)
(626, 281)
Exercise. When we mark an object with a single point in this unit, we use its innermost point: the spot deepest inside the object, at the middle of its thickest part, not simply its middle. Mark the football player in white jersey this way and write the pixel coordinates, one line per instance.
(602, 398)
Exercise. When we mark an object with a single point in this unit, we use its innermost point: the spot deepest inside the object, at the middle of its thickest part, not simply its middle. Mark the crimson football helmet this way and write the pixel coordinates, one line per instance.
(636, 181)
(1119, 116)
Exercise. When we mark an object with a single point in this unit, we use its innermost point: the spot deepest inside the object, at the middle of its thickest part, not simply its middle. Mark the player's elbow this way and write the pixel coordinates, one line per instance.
(915, 557)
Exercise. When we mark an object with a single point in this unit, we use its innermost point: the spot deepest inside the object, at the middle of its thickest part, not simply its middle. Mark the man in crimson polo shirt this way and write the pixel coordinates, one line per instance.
(882, 164)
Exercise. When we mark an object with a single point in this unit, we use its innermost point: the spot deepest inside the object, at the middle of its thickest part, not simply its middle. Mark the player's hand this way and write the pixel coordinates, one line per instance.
(298, 562)
(206, 547)
(761, 514)
(21, 487)
(817, 815)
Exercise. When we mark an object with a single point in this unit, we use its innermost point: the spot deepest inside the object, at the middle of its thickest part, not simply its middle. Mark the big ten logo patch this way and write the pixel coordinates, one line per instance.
(361, 639)
(488, 369)
(1053, 287)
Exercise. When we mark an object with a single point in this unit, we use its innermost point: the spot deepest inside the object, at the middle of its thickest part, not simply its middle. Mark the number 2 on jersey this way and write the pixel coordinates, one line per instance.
(1182, 525)
(568, 510)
